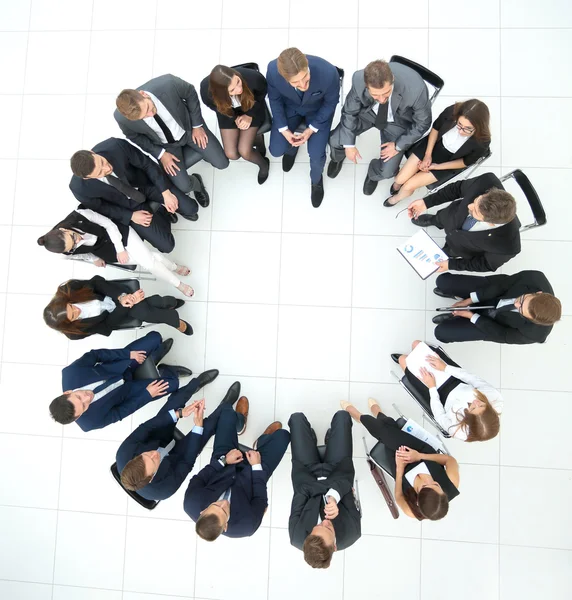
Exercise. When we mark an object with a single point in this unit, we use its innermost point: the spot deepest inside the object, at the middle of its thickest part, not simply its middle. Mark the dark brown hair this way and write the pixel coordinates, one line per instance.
(129, 104)
(55, 313)
(133, 476)
(497, 206)
(545, 309)
(477, 113)
(82, 163)
(54, 241)
(428, 504)
(483, 427)
(209, 527)
(62, 410)
(290, 62)
(219, 80)
(317, 553)
(377, 74)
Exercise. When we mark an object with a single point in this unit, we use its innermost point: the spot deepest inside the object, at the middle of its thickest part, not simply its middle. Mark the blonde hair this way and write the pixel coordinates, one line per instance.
(290, 62)
(483, 427)
(129, 104)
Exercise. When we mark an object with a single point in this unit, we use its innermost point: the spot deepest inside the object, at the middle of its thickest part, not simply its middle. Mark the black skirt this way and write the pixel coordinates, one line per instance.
(257, 113)
(440, 155)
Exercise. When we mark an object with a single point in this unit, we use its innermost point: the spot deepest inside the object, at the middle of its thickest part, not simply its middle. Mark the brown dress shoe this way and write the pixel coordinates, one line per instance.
(242, 408)
(270, 429)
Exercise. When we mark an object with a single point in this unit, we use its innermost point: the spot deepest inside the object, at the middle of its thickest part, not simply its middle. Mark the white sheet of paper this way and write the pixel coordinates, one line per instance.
(417, 431)
(418, 358)
(421, 252)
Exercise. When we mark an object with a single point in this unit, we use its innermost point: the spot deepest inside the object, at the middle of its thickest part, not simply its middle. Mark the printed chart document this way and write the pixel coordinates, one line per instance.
(418, 358)
(421, 252)
(417, 431)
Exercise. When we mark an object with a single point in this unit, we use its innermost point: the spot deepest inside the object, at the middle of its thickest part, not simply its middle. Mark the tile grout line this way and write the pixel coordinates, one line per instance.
(500, 142)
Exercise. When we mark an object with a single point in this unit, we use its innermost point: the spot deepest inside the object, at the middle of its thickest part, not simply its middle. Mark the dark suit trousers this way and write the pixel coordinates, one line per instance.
(187, 206)
(316, 145)
(150, 344)
(157, 309)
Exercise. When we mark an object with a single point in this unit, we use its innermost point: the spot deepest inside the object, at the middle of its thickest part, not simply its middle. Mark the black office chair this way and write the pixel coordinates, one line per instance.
(132, 286)
(430, 78)
(538, 213)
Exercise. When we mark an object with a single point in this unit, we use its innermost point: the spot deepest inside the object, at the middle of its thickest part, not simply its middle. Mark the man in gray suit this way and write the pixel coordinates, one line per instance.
(394, 99)
(163, 117)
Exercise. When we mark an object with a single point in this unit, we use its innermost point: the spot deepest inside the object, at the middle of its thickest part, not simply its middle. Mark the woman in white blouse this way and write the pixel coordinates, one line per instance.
(468, 409)
(459, 137)
(89, 236)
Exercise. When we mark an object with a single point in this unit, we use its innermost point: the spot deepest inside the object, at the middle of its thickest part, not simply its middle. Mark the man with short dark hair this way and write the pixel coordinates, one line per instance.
(482, 231)
(392, 98)
(325, 516)
(228, 496)
(163, 117)
(100, 389)
(525, 308)
(117, 180)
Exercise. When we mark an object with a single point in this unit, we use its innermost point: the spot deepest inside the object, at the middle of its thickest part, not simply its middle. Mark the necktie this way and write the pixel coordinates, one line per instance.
(300, 93)
(166, 131)
(381, 118)
(226, 495)
(107, 387)
(468, 223)
(126, 189)
(506, 308)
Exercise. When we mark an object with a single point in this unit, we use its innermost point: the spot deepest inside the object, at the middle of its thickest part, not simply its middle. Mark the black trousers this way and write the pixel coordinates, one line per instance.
(156, 309)
(305, 446)
(158, 234)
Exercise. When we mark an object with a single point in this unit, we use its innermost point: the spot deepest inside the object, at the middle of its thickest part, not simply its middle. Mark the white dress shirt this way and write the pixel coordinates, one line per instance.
(93, 308)
(420, 469)
(235, 101)
(453, 140)
(459, 399)
(375, 108)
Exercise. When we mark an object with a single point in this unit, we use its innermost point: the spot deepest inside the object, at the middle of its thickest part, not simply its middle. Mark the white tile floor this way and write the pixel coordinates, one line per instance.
(302, 305)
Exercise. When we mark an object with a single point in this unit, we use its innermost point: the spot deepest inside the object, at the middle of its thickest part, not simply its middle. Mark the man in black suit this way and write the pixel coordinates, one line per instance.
(525, 308)
(229, 495)
(325, 516)
(481, 227)
(117, 180)
(163, 117)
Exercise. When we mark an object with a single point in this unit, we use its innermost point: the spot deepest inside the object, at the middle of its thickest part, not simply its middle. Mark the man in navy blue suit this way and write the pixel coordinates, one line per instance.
(150, 461)
(229, 495)
(99, 386)
(302, 88)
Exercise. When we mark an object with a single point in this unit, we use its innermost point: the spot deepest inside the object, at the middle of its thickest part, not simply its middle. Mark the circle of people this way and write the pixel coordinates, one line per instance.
(131, 190)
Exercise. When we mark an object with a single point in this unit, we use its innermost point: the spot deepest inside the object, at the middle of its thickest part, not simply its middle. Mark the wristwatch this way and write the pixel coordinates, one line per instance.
(222, 459)
(179, 412)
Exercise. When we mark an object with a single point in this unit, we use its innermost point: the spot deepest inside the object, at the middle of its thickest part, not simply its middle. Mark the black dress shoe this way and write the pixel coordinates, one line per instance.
(424, 220)
(318, 193)
(179, 303)
(201, 195)
(232, 394)
(288, 161)
(437, 319)
(180, 371)
(263, 173)
(206, 377)
(164, 349)
(188, 330)
(369, 186)
(395, 357)
(172, 217)
(194, 217)
(334, 168)
(438, 292)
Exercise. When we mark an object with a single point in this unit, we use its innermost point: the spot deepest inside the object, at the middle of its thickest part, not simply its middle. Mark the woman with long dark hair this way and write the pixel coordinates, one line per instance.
(237, 97)
(465, 406)
(459, 137)
(425, 481)
(81, 308)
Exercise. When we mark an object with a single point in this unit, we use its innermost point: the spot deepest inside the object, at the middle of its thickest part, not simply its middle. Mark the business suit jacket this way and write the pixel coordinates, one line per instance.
(318, 102)
(257, 85)
(471, 150)
(130, 165)
(409, 103)
(511, 327)
(307, 503)
(179, 98)
(106, 364)
(249, 497)
(481, 251)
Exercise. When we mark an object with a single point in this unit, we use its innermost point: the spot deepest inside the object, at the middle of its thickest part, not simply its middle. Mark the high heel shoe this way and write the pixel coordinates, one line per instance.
(263, 175)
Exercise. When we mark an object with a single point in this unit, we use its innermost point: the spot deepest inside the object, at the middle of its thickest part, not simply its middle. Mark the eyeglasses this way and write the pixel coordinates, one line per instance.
(468, 130)
(76, 239)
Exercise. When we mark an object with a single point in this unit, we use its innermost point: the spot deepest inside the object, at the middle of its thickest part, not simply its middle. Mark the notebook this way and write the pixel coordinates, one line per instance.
(418, 358)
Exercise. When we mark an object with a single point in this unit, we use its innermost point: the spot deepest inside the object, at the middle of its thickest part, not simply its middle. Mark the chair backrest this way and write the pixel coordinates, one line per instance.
(147, 370)
(462, 174)
(428, 76)
(130, 268)
(383, 457)
(250, 65)
(532, 198)
(148, 504)
(131, 284)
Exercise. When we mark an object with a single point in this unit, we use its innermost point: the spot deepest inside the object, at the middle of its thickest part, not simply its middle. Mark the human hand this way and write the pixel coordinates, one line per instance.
(200, 137)
(302, 138)
(466, 314)
(233, 457)
(407, 455)
(243, 122)
(427, 377)
(423, 165)
(126, 300)
(189, 409)
(462, 303)
(443, 265)
(289, 136)
(123, 257)
(99, 262)
(199, 412)
(137, 296)
(353, 154)
(169, 162)
(142, 217)
(436, 363)
(388, 151)
(416, 208)
(399, 463)
(331, 510)
(170, 201)
(253, 457)
(138, 355)
(157, 388)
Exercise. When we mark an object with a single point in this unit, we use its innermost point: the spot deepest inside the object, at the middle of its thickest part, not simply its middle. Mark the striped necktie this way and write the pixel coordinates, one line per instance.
(468, 223)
